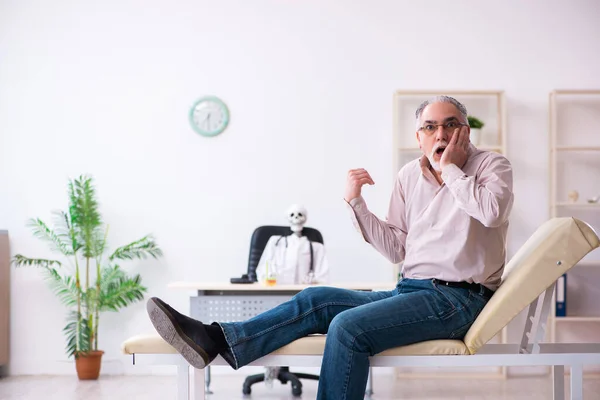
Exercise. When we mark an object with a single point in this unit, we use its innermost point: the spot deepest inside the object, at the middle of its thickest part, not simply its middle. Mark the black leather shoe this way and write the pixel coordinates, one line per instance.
(187, 335)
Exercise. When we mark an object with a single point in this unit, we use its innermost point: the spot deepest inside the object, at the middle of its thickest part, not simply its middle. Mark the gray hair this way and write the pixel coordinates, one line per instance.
(442, 99)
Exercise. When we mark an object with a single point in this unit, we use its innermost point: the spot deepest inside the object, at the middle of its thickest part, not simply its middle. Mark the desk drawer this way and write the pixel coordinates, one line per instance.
(227, 308)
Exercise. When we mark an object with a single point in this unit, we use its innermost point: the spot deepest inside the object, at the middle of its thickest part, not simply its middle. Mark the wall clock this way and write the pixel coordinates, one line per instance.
(209, 116)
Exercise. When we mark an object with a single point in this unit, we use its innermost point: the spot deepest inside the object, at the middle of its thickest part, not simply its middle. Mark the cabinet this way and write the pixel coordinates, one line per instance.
(487, 106)
(575, 191)
(4, 298)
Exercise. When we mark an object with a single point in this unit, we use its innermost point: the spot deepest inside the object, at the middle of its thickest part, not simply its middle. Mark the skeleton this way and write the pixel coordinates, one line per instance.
(297, 217)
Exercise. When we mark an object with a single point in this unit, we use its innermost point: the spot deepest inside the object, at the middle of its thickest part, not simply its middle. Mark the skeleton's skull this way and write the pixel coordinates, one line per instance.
(297, 216)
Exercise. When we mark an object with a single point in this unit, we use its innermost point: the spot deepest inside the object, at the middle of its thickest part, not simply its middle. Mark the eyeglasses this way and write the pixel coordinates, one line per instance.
(448, 127)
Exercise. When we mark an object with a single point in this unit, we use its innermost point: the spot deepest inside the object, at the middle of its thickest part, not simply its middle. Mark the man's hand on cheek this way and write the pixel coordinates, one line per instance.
(456, 152)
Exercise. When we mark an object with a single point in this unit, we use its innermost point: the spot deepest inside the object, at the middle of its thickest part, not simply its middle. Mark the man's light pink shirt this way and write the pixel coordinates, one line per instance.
(455, 231)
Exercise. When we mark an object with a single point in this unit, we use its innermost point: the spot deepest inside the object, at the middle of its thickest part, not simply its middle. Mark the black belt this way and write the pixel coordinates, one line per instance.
(476, 287)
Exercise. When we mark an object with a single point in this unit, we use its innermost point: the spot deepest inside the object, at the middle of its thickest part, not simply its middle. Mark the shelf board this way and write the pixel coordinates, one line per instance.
(576, 91)
(579, 205)
(576, 148)
(578, 319)
(490, 148)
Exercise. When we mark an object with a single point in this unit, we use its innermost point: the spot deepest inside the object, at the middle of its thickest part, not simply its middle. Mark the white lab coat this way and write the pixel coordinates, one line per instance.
(293, 262)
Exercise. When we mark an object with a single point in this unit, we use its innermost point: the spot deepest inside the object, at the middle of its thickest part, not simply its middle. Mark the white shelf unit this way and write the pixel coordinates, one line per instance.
(487, 105)
(574, 167)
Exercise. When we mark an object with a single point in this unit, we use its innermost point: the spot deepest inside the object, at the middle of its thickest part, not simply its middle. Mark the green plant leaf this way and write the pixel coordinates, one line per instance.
(43, 232)
(101, 245)
(121, 293)
(64, 287)
(474, 122)
(140, 249)
(90, 299)
(77, 334)
(111, 275)
(22, 261)
(85, 217)
(64, 230)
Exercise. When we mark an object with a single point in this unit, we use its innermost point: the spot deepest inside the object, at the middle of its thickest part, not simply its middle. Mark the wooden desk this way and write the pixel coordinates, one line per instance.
(204, 286)
(231, 302)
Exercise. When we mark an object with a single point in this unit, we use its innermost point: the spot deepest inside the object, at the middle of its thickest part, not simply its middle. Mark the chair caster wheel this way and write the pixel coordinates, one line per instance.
(296, 391)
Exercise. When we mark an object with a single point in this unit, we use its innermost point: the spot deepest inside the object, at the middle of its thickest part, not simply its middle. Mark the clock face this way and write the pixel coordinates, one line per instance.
(209, 116)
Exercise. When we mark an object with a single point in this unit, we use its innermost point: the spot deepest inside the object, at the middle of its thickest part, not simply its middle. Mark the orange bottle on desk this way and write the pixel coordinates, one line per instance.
(271, 275)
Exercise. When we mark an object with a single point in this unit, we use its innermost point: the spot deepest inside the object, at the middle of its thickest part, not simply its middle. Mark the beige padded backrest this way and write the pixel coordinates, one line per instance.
(552, 250)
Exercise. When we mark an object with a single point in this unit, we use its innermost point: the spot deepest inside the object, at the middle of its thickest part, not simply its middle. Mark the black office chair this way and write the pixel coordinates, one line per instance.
(258, 242)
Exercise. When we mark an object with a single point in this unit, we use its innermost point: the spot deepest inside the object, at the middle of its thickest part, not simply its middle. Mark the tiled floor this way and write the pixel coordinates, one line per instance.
(229, 388)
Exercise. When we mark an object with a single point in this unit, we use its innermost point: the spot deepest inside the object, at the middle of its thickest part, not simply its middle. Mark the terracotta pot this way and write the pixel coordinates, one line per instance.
(88, 365)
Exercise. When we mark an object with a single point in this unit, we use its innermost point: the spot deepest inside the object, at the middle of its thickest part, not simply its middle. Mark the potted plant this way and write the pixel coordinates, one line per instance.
(92, 281)
(476, 125)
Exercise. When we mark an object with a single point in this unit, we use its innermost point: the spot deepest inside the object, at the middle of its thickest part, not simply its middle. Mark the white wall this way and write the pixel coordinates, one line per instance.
(91, 87)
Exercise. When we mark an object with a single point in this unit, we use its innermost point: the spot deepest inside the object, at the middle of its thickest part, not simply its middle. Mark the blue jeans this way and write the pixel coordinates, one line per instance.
(358, 325)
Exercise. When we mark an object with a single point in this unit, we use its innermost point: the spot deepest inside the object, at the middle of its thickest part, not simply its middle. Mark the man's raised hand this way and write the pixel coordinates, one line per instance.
(356, 179)
(456, 151)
